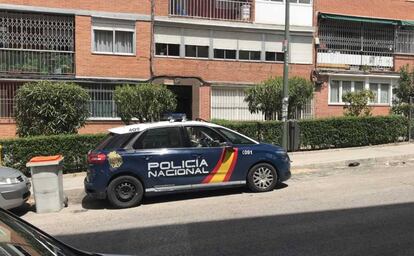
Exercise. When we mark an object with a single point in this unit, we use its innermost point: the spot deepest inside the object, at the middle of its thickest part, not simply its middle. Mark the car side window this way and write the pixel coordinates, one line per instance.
(203, 137)
(235, 138)
(169, 137)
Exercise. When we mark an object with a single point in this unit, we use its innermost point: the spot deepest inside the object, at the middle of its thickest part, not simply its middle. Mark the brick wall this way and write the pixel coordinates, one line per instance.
(226, 71)
(7, 128)
(205, 102)
(322, 109)
(93, 127)
(161, 7)
(402, 60)
(391, 9)
(100, 65)
(138, 6)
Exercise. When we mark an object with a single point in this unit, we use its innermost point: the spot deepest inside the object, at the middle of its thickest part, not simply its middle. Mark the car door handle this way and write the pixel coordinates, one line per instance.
(147, 157)
(197, 156)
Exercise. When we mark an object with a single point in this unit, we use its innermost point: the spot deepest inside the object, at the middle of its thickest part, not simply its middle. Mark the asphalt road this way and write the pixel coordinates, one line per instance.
(337, 212)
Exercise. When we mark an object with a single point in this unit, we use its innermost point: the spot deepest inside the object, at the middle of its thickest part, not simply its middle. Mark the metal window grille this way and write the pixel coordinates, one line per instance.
(356, 44)
(7, 102)
(102, 104)
(238, 10)
(36, 43)
(306, 112)
(404, 41)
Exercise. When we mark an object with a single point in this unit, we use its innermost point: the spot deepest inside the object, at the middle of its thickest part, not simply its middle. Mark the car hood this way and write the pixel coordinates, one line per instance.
(9, 172)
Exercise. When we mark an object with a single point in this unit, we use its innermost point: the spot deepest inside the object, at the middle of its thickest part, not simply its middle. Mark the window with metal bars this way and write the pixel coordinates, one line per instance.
(36, 43)
(356, 36)
(405, 40)
(7, 102)
(102, 104)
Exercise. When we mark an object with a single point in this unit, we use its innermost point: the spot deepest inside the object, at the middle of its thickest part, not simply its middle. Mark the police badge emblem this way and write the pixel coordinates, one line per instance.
(115, 160)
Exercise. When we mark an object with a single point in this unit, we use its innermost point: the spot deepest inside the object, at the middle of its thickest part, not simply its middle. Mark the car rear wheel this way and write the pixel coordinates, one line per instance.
(262, 178)
(125, 192)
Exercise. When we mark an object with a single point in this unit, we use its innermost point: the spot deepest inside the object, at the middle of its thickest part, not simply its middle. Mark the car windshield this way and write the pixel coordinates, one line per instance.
(18, 238)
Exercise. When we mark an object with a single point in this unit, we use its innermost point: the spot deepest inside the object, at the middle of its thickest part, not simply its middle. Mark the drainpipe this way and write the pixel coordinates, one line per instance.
(151, 59)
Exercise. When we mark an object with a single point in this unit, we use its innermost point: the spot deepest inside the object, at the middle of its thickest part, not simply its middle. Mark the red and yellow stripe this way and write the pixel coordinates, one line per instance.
(224, 167)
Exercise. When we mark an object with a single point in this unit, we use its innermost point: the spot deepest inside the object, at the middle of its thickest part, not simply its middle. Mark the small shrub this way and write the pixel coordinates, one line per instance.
(146, 102)
(357, 103)
(50, 108)
(267, 97)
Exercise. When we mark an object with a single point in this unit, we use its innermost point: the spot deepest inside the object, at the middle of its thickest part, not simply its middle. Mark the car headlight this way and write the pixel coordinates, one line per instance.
(283, 155)
(8, 181)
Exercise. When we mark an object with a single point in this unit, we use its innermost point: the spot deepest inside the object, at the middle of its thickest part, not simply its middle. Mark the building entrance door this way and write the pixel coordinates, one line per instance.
(184, 99)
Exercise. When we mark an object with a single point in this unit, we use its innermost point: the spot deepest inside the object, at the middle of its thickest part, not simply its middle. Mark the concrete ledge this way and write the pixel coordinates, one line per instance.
(364, 162)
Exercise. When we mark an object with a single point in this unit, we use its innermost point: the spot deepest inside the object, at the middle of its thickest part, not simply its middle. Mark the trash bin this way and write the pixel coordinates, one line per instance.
(294, 136)
(47, 183)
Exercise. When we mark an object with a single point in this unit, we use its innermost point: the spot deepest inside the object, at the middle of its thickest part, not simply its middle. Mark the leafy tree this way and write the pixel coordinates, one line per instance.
(267, 96)
(404, 91)
(357, 103)
(48, 108)
(146, 102)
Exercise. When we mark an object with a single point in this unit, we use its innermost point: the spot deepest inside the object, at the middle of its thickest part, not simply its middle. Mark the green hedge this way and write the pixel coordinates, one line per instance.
(352, 131)
(314, 134)
(270, 131)
(17, 152)
(331, 132)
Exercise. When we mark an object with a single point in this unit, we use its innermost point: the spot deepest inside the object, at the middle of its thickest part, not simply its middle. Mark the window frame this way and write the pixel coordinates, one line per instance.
(167, 55)
(113, 29)
(379, 86)
(276, 53)
(225, 55)
(188, 140)
(141, 136)
(197, 51)
(250, 53)
(366, 86)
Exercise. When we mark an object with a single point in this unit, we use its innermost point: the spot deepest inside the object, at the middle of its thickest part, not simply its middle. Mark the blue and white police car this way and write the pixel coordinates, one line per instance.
(150, 158)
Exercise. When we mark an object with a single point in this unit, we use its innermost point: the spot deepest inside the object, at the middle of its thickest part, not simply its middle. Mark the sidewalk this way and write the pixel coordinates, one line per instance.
(342, 157)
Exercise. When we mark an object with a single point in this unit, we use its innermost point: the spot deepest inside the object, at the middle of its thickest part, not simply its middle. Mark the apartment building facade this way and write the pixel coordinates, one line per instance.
(206, 51)
(97, 44)
(214, 49)
(360, 45)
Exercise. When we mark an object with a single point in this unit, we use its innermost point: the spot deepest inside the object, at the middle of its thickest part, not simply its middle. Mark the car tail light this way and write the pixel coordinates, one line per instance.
(96, 158)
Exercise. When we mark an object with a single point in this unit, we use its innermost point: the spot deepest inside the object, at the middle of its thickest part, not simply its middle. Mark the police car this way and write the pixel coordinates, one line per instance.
(151, 158)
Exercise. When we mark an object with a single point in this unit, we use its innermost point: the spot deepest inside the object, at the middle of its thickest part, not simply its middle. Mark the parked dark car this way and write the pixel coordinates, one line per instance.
(167, 156)
(17, 238)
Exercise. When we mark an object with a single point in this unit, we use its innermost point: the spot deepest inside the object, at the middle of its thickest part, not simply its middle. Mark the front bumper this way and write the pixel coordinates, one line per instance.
(284, 171)
(14, 195)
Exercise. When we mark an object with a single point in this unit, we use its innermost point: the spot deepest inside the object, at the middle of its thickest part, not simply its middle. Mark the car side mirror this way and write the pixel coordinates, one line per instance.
(227, 145)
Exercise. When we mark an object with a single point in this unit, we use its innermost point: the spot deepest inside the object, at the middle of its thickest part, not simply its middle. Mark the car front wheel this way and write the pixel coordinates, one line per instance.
(262, 178)
(125, 192)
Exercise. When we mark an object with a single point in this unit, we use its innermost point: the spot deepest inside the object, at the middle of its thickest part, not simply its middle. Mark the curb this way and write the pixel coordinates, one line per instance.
(344, 164)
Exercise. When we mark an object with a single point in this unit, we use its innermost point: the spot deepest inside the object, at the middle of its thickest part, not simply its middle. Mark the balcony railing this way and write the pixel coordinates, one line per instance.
(355, 60)
(48, 63)
(231, 10)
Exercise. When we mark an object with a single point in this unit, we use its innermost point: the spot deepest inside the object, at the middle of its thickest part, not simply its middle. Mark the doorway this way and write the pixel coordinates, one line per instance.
(184, 96)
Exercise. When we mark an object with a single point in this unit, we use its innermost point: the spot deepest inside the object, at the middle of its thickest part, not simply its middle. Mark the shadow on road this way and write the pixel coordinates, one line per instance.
(93, 204)
(380, 230)
(24, 209)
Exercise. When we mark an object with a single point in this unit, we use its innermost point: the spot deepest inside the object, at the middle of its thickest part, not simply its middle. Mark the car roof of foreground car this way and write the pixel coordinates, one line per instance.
(144, 126)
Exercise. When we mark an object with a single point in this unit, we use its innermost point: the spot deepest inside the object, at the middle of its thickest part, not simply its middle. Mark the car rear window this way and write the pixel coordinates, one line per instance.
(115, 141)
